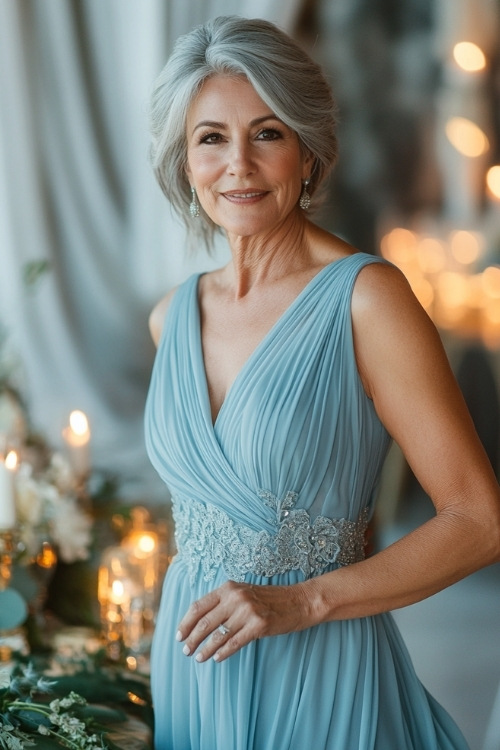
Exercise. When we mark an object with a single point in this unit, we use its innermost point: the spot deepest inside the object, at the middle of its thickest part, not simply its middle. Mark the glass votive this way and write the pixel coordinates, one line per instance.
(143, 543)
(121, 597)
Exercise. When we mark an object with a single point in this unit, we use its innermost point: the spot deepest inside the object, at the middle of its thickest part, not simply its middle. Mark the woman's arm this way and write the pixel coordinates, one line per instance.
(157, 316)
(404, 370)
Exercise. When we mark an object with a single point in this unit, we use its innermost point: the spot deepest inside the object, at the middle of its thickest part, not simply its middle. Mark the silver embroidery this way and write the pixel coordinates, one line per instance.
(207, 538)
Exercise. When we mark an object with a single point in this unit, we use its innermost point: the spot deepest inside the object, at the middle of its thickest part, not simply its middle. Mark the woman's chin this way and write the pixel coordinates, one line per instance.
(253, 224)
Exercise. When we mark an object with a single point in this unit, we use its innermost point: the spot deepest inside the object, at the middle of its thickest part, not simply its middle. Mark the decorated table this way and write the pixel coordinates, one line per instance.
(79, 584)
(75, 700)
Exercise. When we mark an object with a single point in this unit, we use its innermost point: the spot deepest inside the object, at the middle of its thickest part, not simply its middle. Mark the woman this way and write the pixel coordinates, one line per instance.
(278, 382)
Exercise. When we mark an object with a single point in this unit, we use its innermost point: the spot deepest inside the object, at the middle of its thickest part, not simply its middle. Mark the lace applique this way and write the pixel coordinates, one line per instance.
(208, 538)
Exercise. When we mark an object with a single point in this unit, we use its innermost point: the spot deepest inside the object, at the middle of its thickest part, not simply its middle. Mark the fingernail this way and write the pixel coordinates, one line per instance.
(178, 636)
(186, 650)
(216, 656)
(199, 657)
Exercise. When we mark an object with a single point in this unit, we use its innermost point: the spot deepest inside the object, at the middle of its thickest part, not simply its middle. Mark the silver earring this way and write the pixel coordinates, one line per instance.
(305, 198)
(194, 206)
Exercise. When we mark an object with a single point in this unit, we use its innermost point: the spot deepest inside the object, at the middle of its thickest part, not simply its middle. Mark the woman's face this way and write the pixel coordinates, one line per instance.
(246, 164)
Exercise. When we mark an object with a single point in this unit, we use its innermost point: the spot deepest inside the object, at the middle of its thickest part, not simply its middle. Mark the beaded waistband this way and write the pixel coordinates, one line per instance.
(207, 538)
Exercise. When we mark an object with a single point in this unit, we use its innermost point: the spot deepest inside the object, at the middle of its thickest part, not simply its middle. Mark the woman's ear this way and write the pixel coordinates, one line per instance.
(308, 165)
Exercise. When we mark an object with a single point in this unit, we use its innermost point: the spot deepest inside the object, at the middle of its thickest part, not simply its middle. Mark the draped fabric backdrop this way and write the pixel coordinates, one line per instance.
(76, 190)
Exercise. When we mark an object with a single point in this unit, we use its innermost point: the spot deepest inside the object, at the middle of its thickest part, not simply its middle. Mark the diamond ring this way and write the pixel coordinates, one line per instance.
(223, 630)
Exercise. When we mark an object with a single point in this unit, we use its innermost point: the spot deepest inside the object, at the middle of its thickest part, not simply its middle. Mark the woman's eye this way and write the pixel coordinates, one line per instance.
(269, 134)
(211, 138)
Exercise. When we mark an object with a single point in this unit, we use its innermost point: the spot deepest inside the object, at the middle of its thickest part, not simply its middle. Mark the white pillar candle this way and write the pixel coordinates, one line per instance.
(77, 438)
(7, 491)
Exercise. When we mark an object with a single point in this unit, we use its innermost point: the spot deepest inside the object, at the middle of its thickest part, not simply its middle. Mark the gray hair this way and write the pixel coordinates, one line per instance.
(282, 74)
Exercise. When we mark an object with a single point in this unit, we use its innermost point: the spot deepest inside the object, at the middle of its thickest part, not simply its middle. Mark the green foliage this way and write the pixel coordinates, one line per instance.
(35, 711)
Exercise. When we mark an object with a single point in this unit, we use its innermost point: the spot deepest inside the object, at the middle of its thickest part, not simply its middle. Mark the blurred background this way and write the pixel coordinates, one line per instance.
(88, 243)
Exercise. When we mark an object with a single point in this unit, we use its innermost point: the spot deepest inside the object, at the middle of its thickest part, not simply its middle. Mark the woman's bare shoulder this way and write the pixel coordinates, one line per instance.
(376, 279)
(391, 328)
(158, 315)
(381, 289)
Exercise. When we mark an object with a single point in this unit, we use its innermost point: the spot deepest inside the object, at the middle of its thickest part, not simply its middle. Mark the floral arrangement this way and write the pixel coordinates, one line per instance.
(63, 721)
(49, 510)
(48, 505)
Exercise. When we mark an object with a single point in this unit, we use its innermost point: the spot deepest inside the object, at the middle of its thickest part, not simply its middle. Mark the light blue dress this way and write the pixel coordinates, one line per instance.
(279, 489)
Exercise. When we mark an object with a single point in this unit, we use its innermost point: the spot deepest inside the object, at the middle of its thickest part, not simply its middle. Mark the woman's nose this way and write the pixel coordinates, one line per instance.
(240, 161)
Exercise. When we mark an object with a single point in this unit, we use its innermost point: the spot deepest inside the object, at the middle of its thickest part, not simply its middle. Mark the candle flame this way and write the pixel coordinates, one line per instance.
(466, 137)
(469, 57)
(118, 589)
(146, 543)
(78, 422)
(11, 460)
(47, 557)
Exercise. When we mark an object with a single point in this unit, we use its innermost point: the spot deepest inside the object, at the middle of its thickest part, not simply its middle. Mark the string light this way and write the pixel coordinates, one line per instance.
(493, 181)
(469, 57)
(465, 247)
(466, 137)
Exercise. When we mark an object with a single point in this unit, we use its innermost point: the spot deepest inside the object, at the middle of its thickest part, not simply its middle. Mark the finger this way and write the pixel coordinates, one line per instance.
(206, 626)
(195, 613)
(222, 645)
(220, 637)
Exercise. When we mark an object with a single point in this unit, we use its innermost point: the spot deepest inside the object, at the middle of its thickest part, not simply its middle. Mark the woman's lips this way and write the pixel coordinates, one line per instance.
(245, 196)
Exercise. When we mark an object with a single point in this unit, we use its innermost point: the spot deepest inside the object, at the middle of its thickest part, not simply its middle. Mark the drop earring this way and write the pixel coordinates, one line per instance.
(194, 206)
(305, 198)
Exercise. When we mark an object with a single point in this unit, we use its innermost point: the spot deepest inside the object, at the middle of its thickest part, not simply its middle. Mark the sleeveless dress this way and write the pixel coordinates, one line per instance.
(279, 489)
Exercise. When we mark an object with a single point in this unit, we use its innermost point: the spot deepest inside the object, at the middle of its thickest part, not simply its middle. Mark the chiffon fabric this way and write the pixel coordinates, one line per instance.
(296, 420)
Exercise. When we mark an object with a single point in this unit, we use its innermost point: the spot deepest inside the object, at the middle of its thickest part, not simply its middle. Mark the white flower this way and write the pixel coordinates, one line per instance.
(13, 739)
(71, 530)
(61, 473)
(29, 498)
(46, 512)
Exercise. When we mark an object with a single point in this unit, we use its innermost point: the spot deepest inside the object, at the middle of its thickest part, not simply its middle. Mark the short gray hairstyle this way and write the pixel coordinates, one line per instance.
(282, 74)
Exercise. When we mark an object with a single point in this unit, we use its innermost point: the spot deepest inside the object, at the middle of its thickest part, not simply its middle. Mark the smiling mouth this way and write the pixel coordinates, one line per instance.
(245, 195)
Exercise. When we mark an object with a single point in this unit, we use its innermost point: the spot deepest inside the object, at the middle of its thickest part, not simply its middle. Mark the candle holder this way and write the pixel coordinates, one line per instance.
(7, 546)
(123, 606)
(143, 545)
(13, 608)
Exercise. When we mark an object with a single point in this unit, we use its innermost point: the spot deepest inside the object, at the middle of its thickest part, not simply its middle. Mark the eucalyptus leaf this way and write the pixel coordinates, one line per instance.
(31, 719)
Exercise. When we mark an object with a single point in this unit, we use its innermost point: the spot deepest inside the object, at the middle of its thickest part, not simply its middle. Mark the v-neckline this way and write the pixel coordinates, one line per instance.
(207, 406)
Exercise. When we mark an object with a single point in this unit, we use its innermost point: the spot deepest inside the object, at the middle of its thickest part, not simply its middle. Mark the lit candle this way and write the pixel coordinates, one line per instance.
(118, 593)
(7, 492)
(77, 439)
(143, 544)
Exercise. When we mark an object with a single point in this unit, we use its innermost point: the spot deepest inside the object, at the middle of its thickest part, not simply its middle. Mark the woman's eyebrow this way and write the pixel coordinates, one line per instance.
(222, 125)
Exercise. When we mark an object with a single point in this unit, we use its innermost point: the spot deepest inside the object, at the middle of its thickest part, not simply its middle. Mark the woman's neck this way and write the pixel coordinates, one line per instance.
(258, 259)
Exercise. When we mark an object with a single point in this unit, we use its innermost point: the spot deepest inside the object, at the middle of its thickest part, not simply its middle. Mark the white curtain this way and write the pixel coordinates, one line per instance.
(76, 190)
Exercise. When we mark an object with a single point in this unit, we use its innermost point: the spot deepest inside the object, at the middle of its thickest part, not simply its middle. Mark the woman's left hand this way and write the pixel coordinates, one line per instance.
(245, 612)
